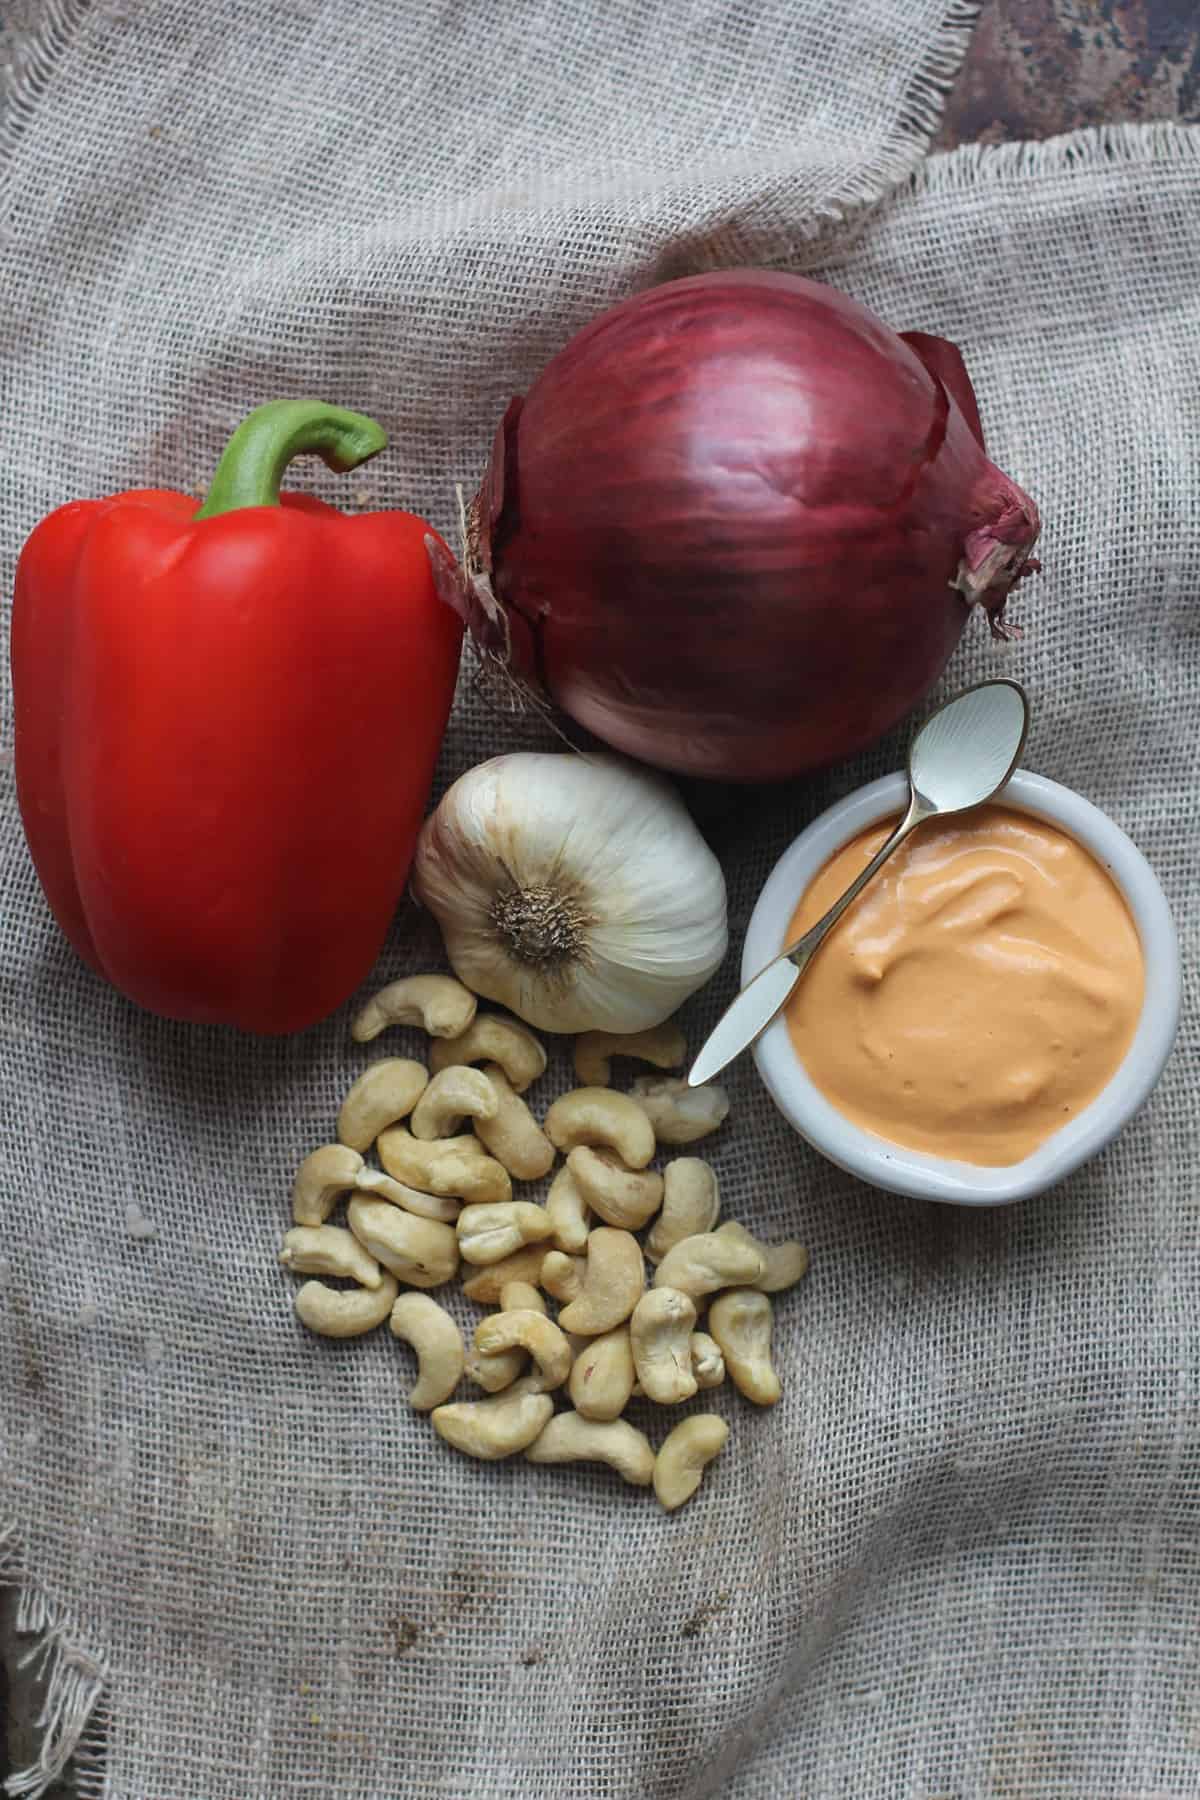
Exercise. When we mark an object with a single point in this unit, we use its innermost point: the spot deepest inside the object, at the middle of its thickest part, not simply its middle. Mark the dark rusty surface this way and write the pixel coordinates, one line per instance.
(1039, 67)
(1035, 68)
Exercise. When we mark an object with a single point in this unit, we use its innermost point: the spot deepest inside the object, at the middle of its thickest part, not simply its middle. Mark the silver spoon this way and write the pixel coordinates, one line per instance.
(962, 755)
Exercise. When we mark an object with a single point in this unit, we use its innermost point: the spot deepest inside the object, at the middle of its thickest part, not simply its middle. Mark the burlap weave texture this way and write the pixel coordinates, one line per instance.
(960, 1557)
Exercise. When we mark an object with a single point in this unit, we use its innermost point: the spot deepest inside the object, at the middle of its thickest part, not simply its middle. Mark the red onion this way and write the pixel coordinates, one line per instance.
(736, 526)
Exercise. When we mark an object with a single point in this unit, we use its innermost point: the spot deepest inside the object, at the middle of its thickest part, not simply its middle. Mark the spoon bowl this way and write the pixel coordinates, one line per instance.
(966, 751)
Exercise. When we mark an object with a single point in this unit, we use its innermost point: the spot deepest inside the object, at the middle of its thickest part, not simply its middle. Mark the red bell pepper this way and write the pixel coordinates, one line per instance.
(226, 727)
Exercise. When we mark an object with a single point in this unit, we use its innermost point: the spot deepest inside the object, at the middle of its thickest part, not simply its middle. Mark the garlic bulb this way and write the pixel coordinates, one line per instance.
(573, 889)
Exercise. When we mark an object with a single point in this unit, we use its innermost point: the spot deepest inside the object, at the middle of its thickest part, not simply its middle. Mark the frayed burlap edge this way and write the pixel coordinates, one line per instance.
(72, 1719)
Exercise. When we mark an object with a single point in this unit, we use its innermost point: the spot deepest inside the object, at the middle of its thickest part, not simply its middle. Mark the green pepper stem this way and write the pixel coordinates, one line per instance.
(265, 442)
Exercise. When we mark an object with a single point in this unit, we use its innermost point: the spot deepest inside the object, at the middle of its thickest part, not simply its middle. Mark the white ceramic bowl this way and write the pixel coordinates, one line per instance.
(903, 1171)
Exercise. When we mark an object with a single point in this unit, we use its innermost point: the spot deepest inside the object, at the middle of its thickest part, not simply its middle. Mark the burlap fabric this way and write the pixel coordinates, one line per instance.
(960, 1557)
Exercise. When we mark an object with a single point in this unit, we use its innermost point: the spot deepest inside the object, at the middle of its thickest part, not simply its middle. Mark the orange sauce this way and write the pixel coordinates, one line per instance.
(978, 994)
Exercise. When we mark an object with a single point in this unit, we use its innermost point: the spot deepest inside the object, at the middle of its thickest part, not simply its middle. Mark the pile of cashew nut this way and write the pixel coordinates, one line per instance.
(451, 1135)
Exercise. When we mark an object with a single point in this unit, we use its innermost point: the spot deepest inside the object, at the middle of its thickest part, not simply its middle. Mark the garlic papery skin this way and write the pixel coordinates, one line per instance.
(573, 889)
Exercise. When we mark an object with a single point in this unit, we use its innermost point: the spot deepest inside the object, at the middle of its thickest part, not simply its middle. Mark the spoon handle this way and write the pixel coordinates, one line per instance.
(764, 997)
(800, 953)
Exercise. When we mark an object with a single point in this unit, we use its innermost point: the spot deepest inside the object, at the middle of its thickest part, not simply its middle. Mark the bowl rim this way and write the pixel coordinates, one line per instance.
(912, 1172)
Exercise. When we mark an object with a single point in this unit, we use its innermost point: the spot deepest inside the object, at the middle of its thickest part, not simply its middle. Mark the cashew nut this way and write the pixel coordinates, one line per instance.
(437, 1003)
(521, 1296)
(570, 1438)
(678, 1113)
(487, 1234)
(511, 1132)
(613, 1283)
(345, 1312)
(683, 1456)
(597, 1115)
(660, 1333)
(320, 1179)
(568, 1212)
(663, 1045)
(786, 1262)
(420, 1251)
(691, 1204)
(486, 1284)
(500, 1368)
(428, 1206)
(383, 1093)
(497, 1427)
(531, 1331)
(741, 1323)
(562, 1276)
(329, 1250)
(494, 1370)
(435, 1337)
(601, 1378)
(495, 1038)
(623, 1197)
(494, 1373)
(454, 1166)
(707, 1261)
(452, 1095)
(708, 1365)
